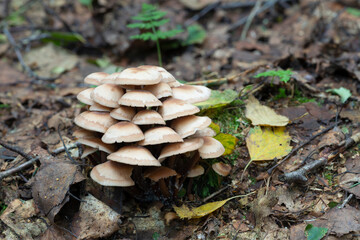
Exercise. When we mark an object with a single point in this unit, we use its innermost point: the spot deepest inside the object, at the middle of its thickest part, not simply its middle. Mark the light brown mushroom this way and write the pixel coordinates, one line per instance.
(95, 78)
(111, 78)
(186, 126)
(173, 108)
(123, 113)
(123, 132)
(206, 132)
(147, 117)
(87, 151)
(159, 90)
(212, 148)
(139, 98)
(138, 76)
(134, 155)
(166, 76)
(85, 96)
(95, 121)
(99, 108)
(191, 94)
(196, 171)
(160, 135)
(112, 174)
(107, 95)
(97, 144)
(188, 145)
(158, 173)
(222, 169)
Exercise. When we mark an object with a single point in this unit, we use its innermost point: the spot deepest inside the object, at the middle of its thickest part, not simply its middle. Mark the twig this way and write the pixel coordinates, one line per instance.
(19, 168)
(66, 150)
(19, 56)
(300, 146)
(215, 193)
(15, 149)
(62, 149)
(202, 13)
(250, 19)
(51, 12)
(346, 201)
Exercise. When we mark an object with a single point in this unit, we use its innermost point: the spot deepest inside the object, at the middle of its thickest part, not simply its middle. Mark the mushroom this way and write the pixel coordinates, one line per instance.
(123, 132)
(173, 108)
(196, 171)
(112, 174)
(206, 132)
(95, 78)
(186, 126)
(158, 173)
(95, 121)
(99, 108)
(159, 90)
(138, 76)
(147, 117)
(107, 95)
(188, 145)
(84, 96)
(139, 98)
(222, 169)
(123, 113)
(97, 144)
(166, 76)
(134, 155)
(212, 148)
(191, 94)
(160, 135)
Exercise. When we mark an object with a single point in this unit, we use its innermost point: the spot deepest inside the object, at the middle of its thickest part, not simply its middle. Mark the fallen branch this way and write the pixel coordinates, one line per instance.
(19, 168)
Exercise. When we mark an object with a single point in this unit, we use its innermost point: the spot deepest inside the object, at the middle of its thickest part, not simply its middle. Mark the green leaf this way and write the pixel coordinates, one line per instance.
(342, 92)
(64, 37)
(353, 11)
(58, 70)
(148, 25)
(284, 75)
(86, 2)
(228, 141)
(218, 99)
(168, 34)
(315, 233)
(196, 35)
(215, 127)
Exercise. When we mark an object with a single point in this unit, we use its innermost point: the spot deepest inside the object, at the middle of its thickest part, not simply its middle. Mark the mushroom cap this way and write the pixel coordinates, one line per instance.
(212, 148)
(95, 78)
(138, 76)
(87, 151)
(85, 96)
(94, 121)
(159, 90)
(191, 94)
(82, 133)
(147, 117)
(112, 174)
(221, 168)
(173, 108)
(99, 108)
(123, 113)
(134, 155)
(206, 132)
(160, 135)
(98, 144)
(175, 84)
(188, 125)
(107, 95)
(111, 78)
(196, 171)
(158, 173)
(188, 145)
(123, 132)
(139, 98)
(166, 76)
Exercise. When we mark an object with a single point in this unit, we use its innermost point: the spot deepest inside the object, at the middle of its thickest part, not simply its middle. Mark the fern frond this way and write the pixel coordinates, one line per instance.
(148, 25)
(168, 34)
(145, 36)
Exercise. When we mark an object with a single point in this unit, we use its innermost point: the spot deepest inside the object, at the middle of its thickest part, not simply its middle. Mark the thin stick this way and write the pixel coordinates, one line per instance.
(202, 13)
(250, 19)
(62, 149)
(15, 149)
(66, 150)
(215, 193)
(346, 201)
(19, 168)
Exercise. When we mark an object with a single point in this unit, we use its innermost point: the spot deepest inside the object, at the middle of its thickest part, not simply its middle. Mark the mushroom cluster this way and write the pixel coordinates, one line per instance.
(143, 118)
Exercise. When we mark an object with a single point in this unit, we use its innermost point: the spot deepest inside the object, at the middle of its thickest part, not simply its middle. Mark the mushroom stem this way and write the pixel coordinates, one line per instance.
(163, 188)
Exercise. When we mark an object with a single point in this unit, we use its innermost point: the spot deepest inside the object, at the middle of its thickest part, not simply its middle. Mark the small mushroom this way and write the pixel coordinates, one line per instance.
(134, 155)
(160, 135)
(99, 108)
(196, 171)
(212, 148)
(158, 173)
(95, 121)
(186, 126)
(159, 90)
(97, 144)
(173, 108)
(188, 145)
(123, 113)
(85, 96)
(139, 98)
(222, 169)
(147, 117)
(191, 94)
(123, 132)
(166, 76)
(112, 174)
(95, 78)
(87, 151)
(107, 95)
(206, 132)
(138, 76)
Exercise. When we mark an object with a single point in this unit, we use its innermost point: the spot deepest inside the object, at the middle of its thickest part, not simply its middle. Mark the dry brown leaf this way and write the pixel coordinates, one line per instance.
(263, 115)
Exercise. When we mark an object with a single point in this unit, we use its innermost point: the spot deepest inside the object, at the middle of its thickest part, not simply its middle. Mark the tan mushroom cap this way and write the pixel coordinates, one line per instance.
(99, 108)
(206, 132)
(107, 95)
(212, 148)
(173, 108)
(166, 76)
(85, 96)
(87, 151)
(95, 78)
(134, 155)
(188, 125)
(188, 145)
(139, 98)
(111, 78)
(175, 84)
(160, 135)
(222, 169)
(123, 113)
(123, 132)
(82, 133)
(191, 94)
(98, 144)
(112, 174)
(138, 76)
(196, 171)
(95, 121)
(158, 173)
(159, 90)
(147, 117)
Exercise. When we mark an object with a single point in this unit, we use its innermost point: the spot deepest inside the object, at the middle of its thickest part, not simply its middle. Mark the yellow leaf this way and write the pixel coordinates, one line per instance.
(228, 141)
(267, 143)
(203, 210)
(263, 115)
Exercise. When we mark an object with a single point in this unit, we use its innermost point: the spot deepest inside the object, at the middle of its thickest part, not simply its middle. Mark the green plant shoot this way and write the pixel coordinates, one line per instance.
(283, 75)
(150, 19)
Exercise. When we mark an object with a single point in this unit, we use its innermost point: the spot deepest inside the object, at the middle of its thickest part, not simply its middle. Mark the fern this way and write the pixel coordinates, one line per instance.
(150, 20)
(284, 75)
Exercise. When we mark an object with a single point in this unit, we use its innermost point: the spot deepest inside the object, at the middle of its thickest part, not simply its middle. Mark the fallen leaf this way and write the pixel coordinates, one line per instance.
(342, 92)
(228, 141)
(263, 115)
(315, 233)
(218, 99)
(268, 143)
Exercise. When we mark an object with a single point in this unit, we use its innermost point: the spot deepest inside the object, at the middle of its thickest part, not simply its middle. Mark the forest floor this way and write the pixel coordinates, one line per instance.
(48, 47)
